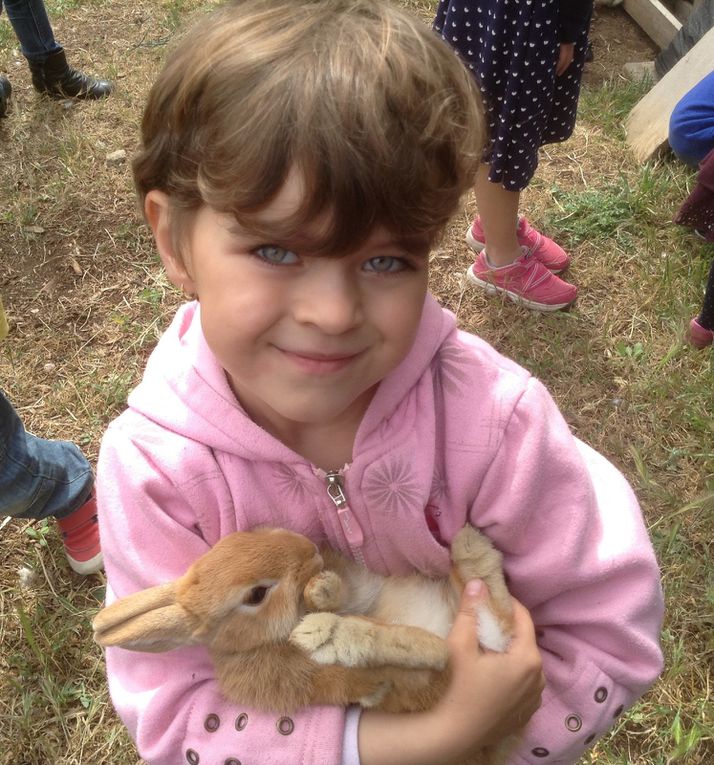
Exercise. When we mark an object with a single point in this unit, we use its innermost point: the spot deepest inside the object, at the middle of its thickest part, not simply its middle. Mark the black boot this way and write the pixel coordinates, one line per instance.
(57, 79)
(5, 91)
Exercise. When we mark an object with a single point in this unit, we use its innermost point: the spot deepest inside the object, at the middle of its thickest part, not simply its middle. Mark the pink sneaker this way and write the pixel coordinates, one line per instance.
(526, 281)
(700, 337)
(550, 254)
(80, 534)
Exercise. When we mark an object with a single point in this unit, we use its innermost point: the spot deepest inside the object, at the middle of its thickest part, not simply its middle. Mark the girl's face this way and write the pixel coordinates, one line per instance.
(304, 340)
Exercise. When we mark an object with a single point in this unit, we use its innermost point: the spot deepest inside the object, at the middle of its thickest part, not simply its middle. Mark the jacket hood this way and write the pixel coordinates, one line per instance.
(184, 389)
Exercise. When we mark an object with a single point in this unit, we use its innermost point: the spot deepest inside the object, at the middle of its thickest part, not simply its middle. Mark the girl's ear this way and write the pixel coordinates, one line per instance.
(158, 214)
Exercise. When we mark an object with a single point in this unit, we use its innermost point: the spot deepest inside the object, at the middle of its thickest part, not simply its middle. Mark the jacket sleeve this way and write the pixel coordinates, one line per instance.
(573, 18)
(577, 554)
(152, 527)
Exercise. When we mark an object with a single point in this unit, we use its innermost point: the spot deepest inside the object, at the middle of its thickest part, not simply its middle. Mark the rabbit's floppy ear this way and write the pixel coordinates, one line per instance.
(149, 620)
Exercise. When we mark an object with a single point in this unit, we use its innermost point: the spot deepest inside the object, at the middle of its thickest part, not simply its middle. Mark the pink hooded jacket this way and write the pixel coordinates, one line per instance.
(456, 433)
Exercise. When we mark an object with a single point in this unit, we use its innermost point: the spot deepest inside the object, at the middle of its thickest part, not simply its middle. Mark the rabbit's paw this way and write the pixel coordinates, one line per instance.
(324, 592)
(314, 635)
(353, 641)
(331, 639)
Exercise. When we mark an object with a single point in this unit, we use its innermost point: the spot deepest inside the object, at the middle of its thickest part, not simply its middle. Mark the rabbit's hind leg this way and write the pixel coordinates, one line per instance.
(474, 557)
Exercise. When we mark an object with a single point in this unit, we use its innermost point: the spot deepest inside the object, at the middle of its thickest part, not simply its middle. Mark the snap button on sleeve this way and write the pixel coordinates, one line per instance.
(192, 757)
(573, 723)
(600, 695)
(241, 721)
(212, 723)
(231, 761)
(540, 751)
(285, 726)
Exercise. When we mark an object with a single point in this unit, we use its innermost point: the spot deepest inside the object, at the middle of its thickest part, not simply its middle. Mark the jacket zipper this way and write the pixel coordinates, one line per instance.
(350, 525)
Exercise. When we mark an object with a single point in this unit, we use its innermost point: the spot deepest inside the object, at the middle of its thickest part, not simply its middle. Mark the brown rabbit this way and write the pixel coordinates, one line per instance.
(372, 640)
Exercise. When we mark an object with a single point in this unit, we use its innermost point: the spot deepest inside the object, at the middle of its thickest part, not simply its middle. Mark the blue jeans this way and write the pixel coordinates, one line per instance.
(39, 478)
(29, 21)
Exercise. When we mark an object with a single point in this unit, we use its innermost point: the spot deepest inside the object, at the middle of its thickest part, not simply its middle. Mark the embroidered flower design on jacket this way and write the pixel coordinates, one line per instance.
(290, 483)
(390, 488)
(451, 369)
(439, 486)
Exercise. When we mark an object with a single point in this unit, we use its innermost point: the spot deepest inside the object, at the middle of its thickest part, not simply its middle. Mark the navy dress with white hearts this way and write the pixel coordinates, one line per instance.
(512, 47)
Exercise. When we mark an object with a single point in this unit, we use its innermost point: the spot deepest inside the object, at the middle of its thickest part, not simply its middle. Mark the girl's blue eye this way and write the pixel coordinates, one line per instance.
(276, 256)
(385, 264)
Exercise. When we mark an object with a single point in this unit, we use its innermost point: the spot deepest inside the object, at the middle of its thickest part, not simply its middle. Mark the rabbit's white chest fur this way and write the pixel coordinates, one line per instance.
(413, 600)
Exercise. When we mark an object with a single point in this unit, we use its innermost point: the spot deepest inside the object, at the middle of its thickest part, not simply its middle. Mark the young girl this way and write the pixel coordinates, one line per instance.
(527, 58)
(298, 160)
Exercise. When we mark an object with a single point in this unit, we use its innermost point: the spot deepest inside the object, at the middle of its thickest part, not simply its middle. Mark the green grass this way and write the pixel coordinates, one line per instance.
(623, 210)
(49, 669)
(7, 35)
(607, 107)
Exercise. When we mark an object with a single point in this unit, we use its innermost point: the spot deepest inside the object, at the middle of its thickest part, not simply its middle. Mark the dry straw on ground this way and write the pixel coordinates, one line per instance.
(87, 301)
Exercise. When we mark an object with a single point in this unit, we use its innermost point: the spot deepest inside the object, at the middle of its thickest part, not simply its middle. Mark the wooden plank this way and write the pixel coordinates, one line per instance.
(658, 22)
(647, 124)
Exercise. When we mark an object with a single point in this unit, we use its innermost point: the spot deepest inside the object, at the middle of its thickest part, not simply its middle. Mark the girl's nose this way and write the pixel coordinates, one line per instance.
(329, 299)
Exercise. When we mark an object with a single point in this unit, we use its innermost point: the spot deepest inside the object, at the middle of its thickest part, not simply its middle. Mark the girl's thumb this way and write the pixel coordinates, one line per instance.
(473, 594)
(465, 629)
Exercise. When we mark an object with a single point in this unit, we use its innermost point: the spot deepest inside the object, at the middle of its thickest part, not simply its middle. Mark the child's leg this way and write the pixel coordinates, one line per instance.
(39, 478)
(498, 210)
(507, 264)
(706, 317)
(701, 329)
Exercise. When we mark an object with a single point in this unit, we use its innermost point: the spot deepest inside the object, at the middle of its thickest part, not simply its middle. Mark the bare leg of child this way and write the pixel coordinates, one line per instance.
(498, 209)
(701, 328)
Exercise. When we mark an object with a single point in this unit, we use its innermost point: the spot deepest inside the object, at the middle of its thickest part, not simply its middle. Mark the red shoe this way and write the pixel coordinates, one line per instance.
(526, 281)
(80, 534)
(700, 337)
(550, 254)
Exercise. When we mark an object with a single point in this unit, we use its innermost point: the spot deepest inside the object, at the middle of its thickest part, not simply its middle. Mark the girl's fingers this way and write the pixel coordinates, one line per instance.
(565, 57)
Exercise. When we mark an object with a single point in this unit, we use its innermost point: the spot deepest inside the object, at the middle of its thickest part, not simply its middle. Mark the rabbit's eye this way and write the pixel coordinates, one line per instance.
(256, 595)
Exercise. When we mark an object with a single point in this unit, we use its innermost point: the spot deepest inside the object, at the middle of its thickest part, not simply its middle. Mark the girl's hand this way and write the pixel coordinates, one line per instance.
(492, 693)
(565, 58)
(490, 696)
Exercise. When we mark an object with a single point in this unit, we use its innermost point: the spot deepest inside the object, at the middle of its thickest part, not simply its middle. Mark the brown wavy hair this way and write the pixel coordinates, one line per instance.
(381, 119)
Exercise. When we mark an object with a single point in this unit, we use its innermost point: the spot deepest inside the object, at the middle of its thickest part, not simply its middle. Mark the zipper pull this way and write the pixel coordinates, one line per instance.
(350, 525)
